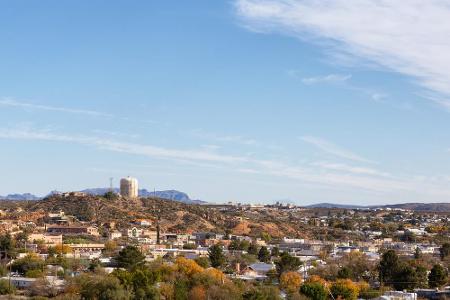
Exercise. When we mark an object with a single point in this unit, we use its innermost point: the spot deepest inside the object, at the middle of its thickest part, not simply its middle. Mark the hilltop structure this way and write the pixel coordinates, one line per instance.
(129, 187)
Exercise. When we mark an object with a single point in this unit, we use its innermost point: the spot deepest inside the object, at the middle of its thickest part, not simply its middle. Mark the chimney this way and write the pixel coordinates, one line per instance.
(238, 268)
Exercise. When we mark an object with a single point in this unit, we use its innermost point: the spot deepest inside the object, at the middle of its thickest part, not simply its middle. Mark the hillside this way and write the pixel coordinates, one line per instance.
(174, 216)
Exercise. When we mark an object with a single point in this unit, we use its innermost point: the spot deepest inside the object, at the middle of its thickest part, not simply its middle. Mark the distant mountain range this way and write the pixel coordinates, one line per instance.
(184, 198)
(438, 207)
(169, 195)
(26, 196)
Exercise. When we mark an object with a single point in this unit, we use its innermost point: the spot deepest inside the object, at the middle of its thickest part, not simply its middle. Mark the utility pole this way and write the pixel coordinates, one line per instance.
(111, 184)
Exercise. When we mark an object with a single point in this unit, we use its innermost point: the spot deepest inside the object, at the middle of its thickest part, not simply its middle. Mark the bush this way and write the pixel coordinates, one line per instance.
(33, 274)
(6, 288)
(314, 291)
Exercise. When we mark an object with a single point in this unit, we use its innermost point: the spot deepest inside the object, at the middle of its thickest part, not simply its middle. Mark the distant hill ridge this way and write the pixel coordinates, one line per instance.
(26, 196)
(438, 207)
(168, 195)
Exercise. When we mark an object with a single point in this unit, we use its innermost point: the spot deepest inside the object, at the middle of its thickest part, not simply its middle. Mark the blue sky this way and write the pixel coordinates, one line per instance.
(245, 100)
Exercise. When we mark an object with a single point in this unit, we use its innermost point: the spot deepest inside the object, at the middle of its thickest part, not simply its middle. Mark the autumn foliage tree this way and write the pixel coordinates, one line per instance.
(290, 281)
(344, 289)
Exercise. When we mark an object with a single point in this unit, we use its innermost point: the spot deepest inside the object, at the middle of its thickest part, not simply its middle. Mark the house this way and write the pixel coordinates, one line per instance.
(115, 235)
(73, 230)
(48, 239)
(134, 232)
(20, 282)
(142, 222)
(397, 295)
(257, 270)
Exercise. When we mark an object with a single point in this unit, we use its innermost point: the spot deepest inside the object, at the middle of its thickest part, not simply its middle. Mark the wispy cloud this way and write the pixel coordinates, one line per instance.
(31, 106)
(333, 149)
(409, 37)
(330, 78)
(335, 176)
(117, 146)
(223, 138)
(351, 169)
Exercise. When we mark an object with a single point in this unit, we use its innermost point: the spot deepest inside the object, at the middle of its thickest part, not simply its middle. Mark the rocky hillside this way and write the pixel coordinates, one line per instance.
(174, 216)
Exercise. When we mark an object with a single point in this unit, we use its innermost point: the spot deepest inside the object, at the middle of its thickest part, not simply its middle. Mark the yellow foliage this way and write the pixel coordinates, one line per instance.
(315, 278)
(345, 288)
(188, 266)
(64, 249)
(290, 281)
(216, 274)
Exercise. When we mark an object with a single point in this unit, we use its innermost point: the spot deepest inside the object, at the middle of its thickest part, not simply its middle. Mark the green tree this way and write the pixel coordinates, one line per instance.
(100, 287)
(202, 261)
(388, 267)
(7, 246)
(287, 263)
(28, 263)
(275, 252)
(181, 289)
(216, 256)
(5, 287)
(444, 250)
(417, 253)
(130, 258)
(405, 278)
(253, 249)
(264, 254)
(438, 276)
(110, 195)
(345, 273)
(314, 290)
(262, 293)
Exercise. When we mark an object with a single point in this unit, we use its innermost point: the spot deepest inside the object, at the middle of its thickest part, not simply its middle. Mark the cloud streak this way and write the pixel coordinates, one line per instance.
(30, 106)
(333, 149)
(409, 37)
(330, 78)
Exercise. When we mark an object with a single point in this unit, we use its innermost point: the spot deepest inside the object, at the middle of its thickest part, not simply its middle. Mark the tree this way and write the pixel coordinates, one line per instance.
(344, 289)
(290, 281)
(262, 293)
(314, 290)
(444, 250)
(130, 257)
(275, 252)
(287, 263)
(102, 288)
(253, 249)
(202, 261)
(110, 195)
(28, 263)
(417, 253)
(7, 246)
(197, 293)
(188, 266)
(388, 267)
(438, 276)
(405, 278)
(5, 287)
(264, 254)
(345, 273)
(216, 256)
